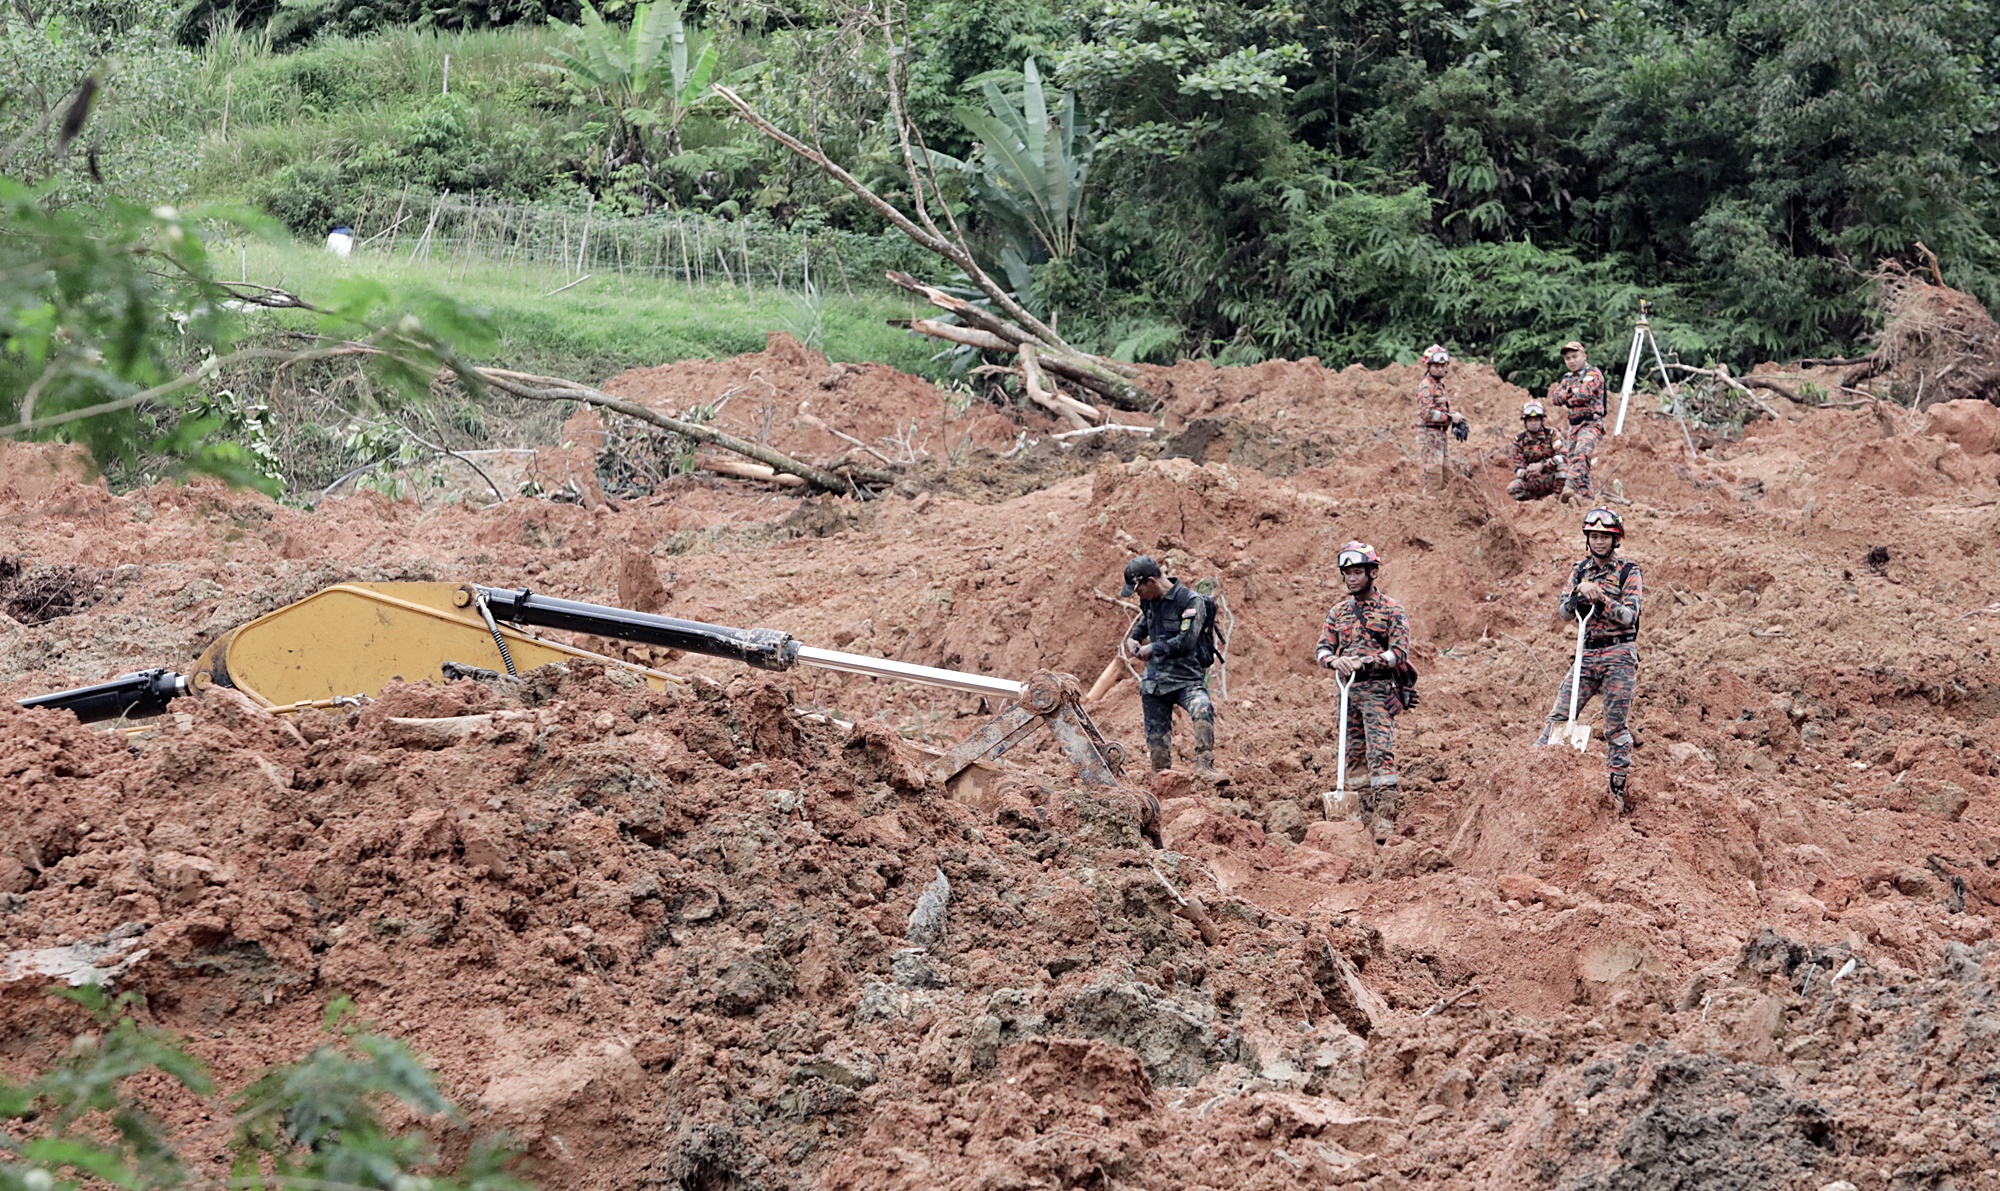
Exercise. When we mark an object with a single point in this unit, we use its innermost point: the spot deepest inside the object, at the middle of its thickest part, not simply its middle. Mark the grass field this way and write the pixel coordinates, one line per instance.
(607, 323)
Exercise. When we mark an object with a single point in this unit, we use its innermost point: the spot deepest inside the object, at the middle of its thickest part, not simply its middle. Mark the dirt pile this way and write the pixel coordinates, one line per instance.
(667, 937)
(1937, 344)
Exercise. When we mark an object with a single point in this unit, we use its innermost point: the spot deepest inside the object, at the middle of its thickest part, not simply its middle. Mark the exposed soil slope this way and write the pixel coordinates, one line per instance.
(665, 937)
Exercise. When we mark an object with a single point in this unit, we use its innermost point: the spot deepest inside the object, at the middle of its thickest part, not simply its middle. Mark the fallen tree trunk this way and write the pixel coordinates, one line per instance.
(553, 388)
(969, 336)
(1782, 390)
(928, 238)
(1046, 395)
(1108, 378)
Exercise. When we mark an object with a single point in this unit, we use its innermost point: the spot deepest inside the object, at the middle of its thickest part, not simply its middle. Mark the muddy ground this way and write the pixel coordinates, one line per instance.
(665, 937)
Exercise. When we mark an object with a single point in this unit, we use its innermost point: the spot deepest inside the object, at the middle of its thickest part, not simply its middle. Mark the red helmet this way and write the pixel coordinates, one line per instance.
(1533, 409)
(1435, 354)
(1602, 520)
(1357, 554)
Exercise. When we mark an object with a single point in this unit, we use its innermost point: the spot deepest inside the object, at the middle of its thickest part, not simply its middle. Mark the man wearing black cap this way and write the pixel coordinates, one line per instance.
(1172, 636)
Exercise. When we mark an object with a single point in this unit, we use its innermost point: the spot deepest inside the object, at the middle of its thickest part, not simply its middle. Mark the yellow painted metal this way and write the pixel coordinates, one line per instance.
(355, 638)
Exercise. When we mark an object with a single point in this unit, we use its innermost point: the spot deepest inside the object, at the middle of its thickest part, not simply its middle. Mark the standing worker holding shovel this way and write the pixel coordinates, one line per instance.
(1365, 638)
(1603, 596)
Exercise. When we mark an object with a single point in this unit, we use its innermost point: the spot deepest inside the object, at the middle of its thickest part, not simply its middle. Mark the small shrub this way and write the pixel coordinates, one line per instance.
(309, 197)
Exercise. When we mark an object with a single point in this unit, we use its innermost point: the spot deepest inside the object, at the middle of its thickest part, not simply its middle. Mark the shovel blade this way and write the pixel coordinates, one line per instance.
(1578, 737)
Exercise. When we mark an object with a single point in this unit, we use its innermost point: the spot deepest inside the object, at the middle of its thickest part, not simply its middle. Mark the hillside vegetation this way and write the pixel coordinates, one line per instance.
(1347, 179)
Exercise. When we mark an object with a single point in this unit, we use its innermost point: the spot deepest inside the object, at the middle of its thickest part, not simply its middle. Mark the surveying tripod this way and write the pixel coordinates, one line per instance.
(1642, 338)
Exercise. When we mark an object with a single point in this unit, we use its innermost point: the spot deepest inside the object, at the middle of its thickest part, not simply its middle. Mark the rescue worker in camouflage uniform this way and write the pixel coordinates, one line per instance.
(1434, 416)
(1609, 591)
(1538, 457)
(1581, 394)
(1366, 637)
(1172, 620)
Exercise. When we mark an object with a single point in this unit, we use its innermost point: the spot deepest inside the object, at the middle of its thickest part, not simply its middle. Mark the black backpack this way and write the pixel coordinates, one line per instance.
(1211, 643)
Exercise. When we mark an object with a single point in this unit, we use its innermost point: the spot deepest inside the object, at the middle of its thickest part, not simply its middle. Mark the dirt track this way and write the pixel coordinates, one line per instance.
(606, 920)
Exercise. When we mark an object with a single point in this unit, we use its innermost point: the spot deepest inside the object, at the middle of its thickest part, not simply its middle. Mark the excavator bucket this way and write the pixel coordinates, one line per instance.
(356, 638)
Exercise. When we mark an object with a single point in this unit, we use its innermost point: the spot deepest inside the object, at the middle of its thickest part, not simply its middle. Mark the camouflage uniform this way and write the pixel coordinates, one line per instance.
(1174, 676)
(1610, 653)
(1532, 447)
(1433, 420)
(1582, 393)
(1366, 626)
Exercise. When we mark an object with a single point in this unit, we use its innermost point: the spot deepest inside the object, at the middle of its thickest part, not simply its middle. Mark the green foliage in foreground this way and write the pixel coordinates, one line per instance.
(314, 1123)
(112, 325)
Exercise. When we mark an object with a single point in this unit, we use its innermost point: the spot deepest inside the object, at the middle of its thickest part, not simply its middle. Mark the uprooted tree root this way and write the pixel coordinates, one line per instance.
(1938, 343)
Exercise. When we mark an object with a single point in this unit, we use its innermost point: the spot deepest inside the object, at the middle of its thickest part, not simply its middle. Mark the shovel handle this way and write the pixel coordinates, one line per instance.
(1576, 670)
(1340, 764)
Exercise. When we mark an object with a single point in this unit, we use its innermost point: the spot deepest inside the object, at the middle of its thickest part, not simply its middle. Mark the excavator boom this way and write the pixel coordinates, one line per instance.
(351, 640)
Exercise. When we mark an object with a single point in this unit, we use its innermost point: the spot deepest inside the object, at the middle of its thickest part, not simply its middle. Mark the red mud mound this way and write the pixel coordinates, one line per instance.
(667, 937)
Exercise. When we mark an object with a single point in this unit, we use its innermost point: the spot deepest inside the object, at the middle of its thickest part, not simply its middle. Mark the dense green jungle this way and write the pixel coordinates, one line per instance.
(1346, 179)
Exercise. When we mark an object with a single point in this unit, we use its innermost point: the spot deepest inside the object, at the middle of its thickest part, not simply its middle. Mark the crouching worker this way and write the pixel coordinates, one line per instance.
(1172, 635)
(1607, 591)
(1538, 457)
(1366, 636)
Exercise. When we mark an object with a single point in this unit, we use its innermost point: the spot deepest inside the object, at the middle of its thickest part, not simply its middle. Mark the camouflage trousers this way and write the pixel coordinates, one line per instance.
(1430, 449)
(1613, 671)
(1371, 743)
(1158, 710)
(1536, 487)
(1583, 444)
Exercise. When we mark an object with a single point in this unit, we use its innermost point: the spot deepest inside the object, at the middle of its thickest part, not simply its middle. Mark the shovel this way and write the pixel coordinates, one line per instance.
(1338, 795)
(1577, 734)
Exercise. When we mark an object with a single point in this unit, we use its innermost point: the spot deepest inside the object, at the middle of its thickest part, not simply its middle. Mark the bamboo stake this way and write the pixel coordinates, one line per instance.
(583, 246)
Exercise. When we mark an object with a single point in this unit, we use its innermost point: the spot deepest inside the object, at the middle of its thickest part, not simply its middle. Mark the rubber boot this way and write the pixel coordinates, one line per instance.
(1618, 793)
(1204, 750)
(1386, 806)
(1161, 752)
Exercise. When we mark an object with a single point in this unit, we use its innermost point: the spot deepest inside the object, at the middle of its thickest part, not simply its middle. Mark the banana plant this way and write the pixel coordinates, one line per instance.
(1030, 169)
(644, 88)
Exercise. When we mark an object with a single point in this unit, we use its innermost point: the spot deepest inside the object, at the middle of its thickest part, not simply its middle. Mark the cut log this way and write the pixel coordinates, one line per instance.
(748, 471)
(969, 336)
(1042, 393)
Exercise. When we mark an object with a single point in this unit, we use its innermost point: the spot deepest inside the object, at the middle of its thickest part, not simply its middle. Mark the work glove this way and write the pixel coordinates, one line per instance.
(1461, 430)
(1520, 473)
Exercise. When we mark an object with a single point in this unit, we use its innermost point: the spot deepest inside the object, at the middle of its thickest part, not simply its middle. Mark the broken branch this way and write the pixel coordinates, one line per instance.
(552, 388)
(957, 254)
(1046, 395)
(969, 336)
